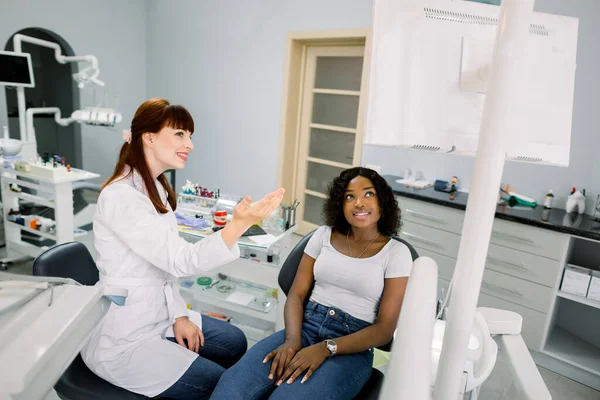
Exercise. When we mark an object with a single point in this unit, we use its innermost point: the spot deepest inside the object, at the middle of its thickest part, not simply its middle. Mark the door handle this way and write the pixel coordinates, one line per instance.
(513, 237)
(501, 289)
(520, 266)
(424, 215)
(421, 238)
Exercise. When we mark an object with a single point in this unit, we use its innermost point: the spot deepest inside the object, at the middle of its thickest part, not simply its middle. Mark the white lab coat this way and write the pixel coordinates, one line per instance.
(141, 250)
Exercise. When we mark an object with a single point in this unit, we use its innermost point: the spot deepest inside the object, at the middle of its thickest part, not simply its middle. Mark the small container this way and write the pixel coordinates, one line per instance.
(270, 255)
(545, 214)
(548, 200)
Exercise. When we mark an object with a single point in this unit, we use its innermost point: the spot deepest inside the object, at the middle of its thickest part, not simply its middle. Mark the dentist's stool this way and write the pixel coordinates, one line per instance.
(286, 277)
(73, 260)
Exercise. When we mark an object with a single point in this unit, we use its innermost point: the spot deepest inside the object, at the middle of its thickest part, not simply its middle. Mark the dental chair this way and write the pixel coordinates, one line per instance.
(73, 260)
(285, 279)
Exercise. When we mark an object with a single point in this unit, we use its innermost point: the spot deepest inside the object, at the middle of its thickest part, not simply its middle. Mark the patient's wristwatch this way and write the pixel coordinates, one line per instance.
(331, 346)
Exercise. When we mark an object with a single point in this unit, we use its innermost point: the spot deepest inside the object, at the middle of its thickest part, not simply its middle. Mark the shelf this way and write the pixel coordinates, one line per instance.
(571, 349)
(338, 92)
(315, 194)
(244, 294)
(34, 199)
(579, 299)
(24, 228)
(76, 175)
(24, 248)
(76, 232)
(328, 162)
(79, 232)
(275, 264)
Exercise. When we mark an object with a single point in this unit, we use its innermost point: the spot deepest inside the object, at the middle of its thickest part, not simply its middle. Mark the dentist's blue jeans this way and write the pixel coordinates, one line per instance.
(224, 345)
(339, 377)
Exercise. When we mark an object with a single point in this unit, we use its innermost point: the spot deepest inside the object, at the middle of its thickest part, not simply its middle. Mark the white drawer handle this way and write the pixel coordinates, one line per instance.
(513, 237)
(424, 215)
(422, 239)
(501, 289)
(520, 266)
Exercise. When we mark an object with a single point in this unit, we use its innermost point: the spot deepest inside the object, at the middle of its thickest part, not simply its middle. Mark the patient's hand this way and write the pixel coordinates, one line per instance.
(281, 358)
(308, 359)
(185, 329)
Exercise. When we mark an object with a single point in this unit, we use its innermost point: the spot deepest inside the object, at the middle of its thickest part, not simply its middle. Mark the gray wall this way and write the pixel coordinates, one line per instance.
(534, 180)
(112, 30)
(224, 61)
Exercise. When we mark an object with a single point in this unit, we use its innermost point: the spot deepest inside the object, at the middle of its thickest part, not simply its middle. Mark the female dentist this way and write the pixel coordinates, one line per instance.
(154, 345)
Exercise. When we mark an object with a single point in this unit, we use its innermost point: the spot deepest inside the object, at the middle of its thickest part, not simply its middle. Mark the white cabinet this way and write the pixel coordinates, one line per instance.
(522, 267)
(522, 274)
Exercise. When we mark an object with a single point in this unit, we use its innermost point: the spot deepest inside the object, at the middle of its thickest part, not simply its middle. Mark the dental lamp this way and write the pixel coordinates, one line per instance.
(95, 116)
(460, 77)
(87, 75)
(90, 116)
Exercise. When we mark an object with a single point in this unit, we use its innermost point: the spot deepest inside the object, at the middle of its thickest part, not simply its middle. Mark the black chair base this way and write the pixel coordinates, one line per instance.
(73, 260)
(79, 383)
(373, 386)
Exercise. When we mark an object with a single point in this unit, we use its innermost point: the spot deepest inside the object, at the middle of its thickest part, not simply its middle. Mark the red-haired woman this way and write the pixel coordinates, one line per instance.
(154, 345)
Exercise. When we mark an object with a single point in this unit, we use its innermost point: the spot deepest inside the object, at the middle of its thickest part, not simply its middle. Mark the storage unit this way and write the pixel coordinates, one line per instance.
(523, 262)
(55, 193)
(524, 271)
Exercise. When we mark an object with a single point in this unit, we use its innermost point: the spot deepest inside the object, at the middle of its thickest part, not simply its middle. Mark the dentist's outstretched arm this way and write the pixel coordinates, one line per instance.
(247, 214)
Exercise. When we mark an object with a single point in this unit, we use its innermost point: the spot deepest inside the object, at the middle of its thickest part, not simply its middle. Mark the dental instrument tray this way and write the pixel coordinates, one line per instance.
(240, 292)
(198, 203)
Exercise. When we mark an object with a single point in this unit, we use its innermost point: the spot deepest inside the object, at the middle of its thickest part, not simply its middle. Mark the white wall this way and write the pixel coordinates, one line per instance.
(224, 62)
(529, 179)
(112, 30)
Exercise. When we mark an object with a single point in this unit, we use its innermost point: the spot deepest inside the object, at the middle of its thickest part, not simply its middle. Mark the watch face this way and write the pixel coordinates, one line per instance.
(331, 346)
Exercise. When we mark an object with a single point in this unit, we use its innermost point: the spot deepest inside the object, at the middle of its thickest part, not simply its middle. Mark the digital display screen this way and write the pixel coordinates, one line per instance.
(15, 69)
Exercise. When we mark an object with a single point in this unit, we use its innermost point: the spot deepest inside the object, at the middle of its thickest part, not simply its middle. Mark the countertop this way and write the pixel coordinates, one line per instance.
(555, 219)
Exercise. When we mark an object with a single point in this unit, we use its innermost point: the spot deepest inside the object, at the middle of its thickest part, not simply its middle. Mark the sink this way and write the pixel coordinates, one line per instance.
(10, 147)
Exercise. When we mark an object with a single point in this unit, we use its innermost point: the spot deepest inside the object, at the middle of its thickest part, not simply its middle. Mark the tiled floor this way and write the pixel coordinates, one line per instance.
(498, 386)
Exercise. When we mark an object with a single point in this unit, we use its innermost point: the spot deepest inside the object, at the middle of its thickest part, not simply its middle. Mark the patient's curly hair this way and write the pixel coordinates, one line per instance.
(333, 210)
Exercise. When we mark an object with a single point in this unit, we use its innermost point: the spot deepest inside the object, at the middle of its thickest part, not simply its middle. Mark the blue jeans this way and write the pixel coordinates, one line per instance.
(224, 345)
(339, 377)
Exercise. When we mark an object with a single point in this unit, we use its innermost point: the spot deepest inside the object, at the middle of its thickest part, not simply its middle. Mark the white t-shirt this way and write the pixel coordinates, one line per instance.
(354, 285)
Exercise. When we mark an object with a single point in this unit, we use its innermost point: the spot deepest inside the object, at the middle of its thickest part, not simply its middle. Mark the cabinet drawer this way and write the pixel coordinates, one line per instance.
(527, 266)
(431, 239)
(529, 239)
(432, 215)
(533, 321)
(516, 290)
(445, 264)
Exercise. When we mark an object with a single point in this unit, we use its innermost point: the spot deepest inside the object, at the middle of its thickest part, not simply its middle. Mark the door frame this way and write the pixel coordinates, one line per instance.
(293, 85)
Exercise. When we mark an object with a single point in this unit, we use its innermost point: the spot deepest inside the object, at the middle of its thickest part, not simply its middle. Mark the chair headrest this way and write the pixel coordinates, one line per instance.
(288, 270)
(67, 260)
